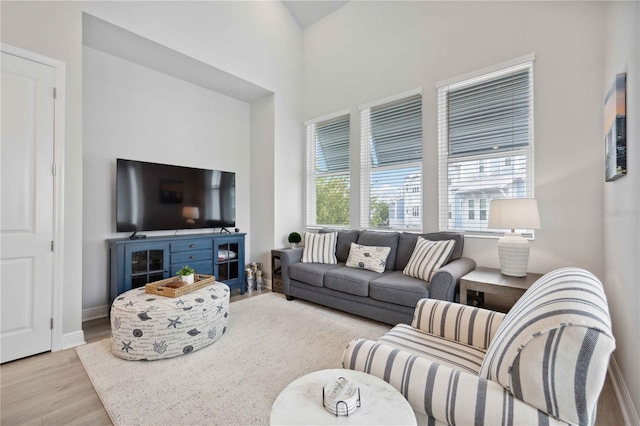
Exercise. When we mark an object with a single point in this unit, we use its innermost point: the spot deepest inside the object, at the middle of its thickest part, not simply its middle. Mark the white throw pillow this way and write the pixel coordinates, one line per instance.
(320, 248)
(427, 257)
(368, 257)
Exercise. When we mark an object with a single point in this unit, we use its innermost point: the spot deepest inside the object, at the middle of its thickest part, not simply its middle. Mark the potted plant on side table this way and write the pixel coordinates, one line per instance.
(294, 239)
(186, 274)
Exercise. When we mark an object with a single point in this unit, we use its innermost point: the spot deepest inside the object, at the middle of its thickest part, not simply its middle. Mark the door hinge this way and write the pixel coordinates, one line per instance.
(51, 323)
(52, 245)
(55, 93)
(54, 169)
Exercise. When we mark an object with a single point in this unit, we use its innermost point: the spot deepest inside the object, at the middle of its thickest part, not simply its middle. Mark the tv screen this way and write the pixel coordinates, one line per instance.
(155, 197)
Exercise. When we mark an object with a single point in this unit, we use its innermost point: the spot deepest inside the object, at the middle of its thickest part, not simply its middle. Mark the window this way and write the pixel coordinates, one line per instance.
(391, 163)
(485, 140)
(328, 186)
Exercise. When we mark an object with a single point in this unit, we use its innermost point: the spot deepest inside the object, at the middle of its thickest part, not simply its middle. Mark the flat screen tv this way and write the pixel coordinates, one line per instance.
(156, 197)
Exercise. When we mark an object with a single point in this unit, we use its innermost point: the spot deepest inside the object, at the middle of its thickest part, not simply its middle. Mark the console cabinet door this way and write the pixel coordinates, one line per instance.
(145, 263)
(228, 255)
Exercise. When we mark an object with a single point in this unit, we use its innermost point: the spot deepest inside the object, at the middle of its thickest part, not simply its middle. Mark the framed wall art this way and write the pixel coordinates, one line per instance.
(615, 126)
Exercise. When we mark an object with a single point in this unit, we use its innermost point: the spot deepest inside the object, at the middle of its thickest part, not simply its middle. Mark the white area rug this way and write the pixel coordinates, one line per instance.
(269, 343)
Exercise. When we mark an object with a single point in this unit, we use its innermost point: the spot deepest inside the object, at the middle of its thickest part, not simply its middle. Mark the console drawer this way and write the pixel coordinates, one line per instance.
(189, 257)
(203, 267)
(187, 245)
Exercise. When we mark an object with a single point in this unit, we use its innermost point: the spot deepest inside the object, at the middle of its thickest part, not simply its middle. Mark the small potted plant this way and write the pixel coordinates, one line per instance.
(294, 239)
(186, 274)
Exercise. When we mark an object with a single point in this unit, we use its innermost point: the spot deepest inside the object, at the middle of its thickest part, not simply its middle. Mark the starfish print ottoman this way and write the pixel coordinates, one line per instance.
(148, 327)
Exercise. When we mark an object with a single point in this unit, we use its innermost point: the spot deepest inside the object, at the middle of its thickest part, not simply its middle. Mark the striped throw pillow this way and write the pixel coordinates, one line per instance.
(427, 257)
(320, 248)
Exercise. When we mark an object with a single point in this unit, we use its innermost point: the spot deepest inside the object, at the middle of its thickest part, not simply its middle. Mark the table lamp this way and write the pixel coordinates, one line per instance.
(191, 213)
(513, 249)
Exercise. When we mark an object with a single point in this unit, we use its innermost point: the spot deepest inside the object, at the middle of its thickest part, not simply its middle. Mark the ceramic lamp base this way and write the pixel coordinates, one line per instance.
(513, 251)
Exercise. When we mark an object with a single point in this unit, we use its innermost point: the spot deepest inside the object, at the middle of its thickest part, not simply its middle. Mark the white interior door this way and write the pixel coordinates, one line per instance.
(26, 221)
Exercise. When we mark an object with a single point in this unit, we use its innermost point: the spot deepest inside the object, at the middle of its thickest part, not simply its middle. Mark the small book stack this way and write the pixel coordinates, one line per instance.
(341, 397)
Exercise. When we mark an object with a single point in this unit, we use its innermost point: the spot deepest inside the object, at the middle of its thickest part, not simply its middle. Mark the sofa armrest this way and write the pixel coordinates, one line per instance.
(453, 321)
(443, 283)
(447, 395)
(288, 258)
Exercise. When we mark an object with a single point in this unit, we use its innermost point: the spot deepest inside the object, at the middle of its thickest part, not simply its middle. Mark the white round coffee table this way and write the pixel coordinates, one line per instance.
(300, 403)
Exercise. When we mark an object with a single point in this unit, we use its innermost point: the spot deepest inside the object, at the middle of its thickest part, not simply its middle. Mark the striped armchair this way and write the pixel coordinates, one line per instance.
(542, 363)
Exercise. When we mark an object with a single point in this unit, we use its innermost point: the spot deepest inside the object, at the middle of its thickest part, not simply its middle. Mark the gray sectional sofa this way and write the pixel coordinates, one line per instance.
(390, 296)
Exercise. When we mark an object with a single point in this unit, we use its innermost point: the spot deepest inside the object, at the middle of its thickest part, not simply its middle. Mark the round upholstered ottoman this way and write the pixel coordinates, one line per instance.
(147, 326)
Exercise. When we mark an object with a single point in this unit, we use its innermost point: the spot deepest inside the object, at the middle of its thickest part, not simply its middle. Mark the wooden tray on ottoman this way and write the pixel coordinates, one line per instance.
(159, 287)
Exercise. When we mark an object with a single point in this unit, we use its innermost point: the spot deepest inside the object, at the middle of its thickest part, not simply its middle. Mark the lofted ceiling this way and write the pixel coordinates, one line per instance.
(116, 41)
(308, 12)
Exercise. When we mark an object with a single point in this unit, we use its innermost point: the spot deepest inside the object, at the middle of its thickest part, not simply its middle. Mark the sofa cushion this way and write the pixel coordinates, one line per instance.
(559, 330)
(382, 239)
(428, 257)
(311, 273)
(407, 242)
(319, 248)
(343, 245)
(395, 287)
(345, 238)
(368, 257)
(350, 280)
(443, 351)
(444, 236)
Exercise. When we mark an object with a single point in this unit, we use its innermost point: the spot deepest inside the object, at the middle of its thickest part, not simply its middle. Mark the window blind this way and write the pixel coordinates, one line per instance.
(332, 145)
(485, 139)
(490, 116)
(391, 164)
(396, 132)
(327, 176)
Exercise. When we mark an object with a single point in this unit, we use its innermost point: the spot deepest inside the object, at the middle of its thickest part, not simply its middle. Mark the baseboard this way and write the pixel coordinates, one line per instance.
(71, 340)
(627, 407)
(103, 311)
(95, 313)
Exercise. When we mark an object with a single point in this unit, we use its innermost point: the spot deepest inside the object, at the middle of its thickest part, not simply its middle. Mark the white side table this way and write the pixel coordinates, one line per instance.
(300, 403)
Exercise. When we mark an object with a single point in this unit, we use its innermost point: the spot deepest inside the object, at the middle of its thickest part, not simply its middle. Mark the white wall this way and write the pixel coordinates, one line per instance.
(55, 30)
(622, 203)
(137, 113)
(262, 170)
(257, 41)
(370, 50)
(260, 43)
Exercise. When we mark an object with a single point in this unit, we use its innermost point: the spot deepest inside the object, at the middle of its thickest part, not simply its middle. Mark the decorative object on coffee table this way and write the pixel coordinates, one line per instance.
(175, 287)
(341, 397)
(513, 249)
(148, 327)
(301, 402)
(186, 274)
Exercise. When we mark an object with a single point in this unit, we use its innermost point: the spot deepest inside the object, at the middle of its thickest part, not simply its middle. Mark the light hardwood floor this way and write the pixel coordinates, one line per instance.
(53, 388)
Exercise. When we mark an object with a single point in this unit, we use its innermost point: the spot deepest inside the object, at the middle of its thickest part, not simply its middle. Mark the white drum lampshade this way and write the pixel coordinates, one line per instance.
(513, 249)
(191, 213)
